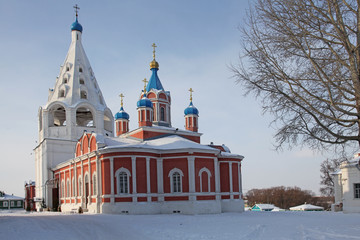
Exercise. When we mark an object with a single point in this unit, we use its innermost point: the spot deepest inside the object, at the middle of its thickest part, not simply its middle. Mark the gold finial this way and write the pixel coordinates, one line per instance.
(154, 46)
(76, 9)
(191, 91)
(145, 82)
(121, 96)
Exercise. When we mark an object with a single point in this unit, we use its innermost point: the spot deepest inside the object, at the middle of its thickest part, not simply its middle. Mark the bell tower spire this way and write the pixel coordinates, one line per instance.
(75, 104)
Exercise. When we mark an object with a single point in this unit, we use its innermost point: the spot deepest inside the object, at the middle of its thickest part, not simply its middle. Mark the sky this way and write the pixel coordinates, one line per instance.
(197, 42)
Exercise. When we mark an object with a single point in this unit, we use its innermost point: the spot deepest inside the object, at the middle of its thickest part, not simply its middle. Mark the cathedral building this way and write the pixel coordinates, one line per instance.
(83, 161)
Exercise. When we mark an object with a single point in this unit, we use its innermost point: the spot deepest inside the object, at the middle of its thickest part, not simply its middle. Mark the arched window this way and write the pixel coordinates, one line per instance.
(176, 180)
(83, 95)
(122, 181)
(80, 187)
(162, 114)
(204, 175)
(94, 184)
(67, 188)
(57, 116)
(62, 93)
(84, 117)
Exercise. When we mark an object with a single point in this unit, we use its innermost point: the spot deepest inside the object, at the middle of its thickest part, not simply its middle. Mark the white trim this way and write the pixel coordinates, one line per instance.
(173, 171)
(191, 171)
(112, 200)
(80, 184)
(231, 180)
(217, 178)
(160, 180)
(204, 169)
(133, 170)
(148, 189)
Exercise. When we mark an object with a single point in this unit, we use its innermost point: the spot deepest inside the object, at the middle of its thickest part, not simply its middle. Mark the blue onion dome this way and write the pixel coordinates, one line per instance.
(76, 26)
(144, 102)
(122, 114)
(191, 109)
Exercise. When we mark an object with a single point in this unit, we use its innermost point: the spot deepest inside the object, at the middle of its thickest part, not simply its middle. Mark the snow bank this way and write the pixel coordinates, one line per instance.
(247, 225)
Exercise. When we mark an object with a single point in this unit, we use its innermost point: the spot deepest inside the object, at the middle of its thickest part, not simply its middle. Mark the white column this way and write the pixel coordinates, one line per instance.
(217, 179)
(90, 182)
(97, 185)
(231, 181)
(112, 198)
(75, 182)
(133, 174)
(240, 183)
(148, 189)
(191, 173)
(160, 180)
(82, 183)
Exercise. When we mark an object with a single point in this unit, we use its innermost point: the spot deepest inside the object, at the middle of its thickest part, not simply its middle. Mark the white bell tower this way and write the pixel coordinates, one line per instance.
(75, 105)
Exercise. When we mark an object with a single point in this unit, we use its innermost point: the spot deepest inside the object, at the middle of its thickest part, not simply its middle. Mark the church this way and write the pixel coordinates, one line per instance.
(88, 158)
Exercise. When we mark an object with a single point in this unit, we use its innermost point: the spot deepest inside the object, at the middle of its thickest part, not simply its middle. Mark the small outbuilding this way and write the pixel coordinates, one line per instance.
(263, 207)
(306, 207)
(10, 201)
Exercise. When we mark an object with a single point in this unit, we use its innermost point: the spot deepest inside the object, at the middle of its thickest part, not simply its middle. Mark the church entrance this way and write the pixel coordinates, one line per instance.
(55, 198)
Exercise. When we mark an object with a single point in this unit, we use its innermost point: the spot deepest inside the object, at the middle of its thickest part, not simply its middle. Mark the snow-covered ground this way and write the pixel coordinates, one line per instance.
(247, 225)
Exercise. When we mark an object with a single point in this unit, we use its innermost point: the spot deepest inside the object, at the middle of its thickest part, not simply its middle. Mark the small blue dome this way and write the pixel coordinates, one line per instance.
(122, 114)
(144, 102)
(76, 26)
(191, 110)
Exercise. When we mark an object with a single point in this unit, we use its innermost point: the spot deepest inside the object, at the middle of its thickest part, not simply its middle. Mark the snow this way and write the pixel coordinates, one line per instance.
(247, 225)
(306, 207)
(10, 197)
(164, 143)
(264, 206)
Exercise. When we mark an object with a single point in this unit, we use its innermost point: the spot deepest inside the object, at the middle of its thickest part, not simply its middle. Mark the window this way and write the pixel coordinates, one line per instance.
(12, 204)
(357, 190)
(80, 69)
(83, 95)
(19, 203)
(162, 114)
(81, 81)
(122, 181)
(62, 93)
(94, 184)
(65, 80)
(67, 69)
(176, 180)
(5, 204)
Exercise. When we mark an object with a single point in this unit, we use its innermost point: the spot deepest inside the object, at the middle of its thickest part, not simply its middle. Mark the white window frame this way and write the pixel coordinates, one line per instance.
(117, 175)
(18, 203)
(12, 204)
(171, 176)
(204, 169)
(5, 204)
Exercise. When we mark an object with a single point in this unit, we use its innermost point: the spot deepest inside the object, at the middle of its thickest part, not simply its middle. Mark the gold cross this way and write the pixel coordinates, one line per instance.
(145, 82)
(121, 96)
(154, 46)
(76, 9)
(191, 91)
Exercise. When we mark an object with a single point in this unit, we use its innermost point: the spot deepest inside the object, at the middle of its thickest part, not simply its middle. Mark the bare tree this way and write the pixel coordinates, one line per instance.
(327, 167)
(283, 197)
(302, 59)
